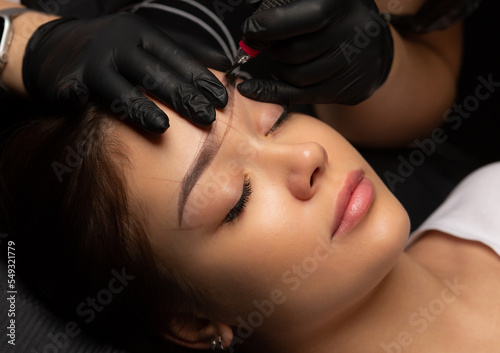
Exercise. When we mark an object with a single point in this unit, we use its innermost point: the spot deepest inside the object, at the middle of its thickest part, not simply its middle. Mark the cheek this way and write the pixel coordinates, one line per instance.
(329, 280)
(267, 237)
(249, 260)
(369, 254)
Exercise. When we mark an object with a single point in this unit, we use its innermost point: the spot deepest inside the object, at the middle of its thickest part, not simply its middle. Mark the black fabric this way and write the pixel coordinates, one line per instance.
(37, 329)
(77, 8)
(475, 128)
(435, 15)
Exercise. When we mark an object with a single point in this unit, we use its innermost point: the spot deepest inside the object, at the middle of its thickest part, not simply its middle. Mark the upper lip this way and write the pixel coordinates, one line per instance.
(352, 180)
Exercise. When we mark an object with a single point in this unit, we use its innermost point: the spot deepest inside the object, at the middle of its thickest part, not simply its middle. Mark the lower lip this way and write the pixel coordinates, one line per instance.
(357, 205)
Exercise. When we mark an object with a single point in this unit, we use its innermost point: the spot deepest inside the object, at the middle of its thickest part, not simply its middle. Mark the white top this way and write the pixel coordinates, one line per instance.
(471, 211)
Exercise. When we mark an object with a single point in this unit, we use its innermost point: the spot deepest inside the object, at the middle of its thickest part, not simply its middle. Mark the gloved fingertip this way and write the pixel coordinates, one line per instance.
(202, 115)
(148, 116)
(214, 91)
(81, 93)
(221, 102)
(223, 63)
(155, 122)
(73, 91)
(260, 91)
(245, 89)
(204, 119)
(253, 4)
(193, 106)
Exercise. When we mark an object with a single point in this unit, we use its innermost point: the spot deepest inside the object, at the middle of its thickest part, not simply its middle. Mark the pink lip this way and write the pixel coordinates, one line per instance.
(354, 200)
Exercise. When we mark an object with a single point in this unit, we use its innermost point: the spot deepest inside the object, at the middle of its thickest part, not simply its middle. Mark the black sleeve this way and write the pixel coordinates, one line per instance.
(435, 15)
(78, 8)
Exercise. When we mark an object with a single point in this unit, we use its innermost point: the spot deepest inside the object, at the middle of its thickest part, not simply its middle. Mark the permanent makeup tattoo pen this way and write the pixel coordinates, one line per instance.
(245, 51)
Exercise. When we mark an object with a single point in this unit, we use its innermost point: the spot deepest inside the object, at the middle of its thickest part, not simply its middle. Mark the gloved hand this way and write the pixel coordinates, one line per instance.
(70, 61)
(324, 51)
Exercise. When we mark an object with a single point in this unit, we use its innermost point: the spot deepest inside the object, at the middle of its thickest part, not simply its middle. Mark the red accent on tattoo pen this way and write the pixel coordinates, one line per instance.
(245, 52)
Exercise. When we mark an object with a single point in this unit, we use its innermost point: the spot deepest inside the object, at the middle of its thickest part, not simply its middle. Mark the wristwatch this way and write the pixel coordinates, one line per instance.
(6, 32)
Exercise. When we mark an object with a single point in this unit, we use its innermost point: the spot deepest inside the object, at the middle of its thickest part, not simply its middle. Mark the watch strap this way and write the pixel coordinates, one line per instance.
(6, 35)
(14, 11)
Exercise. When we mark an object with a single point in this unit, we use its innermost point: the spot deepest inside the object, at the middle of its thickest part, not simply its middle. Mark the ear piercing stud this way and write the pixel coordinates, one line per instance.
(216, 343)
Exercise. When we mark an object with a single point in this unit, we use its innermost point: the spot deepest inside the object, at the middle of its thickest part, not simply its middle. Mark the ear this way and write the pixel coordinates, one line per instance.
(195, 332)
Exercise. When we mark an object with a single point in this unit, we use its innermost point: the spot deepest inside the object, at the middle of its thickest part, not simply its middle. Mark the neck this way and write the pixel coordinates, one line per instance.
(408, 309)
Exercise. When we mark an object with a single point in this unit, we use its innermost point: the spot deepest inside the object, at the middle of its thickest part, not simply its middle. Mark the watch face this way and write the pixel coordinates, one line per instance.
(2, 25)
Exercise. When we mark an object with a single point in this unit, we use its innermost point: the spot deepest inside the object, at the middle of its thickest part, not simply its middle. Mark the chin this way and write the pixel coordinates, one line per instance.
(390, 221)
(385, 237)
(393, 236)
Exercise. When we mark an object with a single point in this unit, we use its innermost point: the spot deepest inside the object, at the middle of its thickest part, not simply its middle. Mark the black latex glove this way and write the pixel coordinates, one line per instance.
(68, 61)
(324, 51)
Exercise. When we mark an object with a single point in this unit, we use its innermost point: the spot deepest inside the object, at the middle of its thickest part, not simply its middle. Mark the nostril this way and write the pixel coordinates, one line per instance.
(311, 181)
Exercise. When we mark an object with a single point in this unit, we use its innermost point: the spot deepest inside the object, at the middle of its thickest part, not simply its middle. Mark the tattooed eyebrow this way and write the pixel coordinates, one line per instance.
(206, 155)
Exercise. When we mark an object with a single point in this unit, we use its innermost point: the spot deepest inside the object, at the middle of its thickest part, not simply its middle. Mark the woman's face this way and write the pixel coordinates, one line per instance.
(290, 215)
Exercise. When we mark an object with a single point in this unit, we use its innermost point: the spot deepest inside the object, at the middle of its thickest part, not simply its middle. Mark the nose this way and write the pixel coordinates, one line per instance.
(303, 166)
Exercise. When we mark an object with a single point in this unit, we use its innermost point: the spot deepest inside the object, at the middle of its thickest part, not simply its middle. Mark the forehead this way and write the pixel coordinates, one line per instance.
(158, 163)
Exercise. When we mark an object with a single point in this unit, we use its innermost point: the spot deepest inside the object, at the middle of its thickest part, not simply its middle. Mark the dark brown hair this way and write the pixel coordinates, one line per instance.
(63, 200)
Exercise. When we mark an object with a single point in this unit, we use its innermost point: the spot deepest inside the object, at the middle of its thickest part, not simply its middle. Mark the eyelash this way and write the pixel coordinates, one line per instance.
(284, 116)
(247, 185)
(242, 202)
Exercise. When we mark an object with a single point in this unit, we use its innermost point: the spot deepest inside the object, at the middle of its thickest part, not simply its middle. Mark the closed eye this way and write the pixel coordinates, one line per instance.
(282, 118)
(241, 204)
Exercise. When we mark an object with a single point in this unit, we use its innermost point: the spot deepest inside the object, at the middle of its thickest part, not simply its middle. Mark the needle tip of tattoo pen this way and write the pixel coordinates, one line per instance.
(231, 69)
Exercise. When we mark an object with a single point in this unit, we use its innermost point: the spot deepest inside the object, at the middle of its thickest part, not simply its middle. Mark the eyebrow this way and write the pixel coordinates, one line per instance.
(204, 158)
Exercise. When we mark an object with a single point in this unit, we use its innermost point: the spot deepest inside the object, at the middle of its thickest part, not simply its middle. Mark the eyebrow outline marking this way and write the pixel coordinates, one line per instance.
(204, 158)
(202, 161)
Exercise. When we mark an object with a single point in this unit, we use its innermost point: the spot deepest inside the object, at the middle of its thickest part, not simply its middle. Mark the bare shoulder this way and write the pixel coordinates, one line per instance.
(447, 254)
(476, 268)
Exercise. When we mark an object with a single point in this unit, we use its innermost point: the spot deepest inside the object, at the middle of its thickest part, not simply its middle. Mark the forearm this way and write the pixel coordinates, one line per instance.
(24, 26)
(419, 89)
